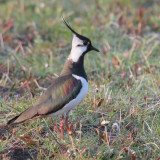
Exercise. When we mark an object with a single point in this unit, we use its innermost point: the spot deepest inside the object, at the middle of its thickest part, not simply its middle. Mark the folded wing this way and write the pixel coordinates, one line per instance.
(62, 91)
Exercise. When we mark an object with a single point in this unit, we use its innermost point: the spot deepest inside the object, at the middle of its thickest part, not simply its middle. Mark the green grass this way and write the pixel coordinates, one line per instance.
(126, 73)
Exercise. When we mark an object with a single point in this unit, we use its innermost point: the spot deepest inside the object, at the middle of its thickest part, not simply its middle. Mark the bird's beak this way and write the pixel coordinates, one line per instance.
(95, 49)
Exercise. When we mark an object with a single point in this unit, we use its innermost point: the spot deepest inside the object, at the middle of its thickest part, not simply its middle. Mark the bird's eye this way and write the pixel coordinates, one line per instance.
(85, 43)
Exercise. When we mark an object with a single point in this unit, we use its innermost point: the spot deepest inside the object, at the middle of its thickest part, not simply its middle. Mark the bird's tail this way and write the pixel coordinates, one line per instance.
(26, 115)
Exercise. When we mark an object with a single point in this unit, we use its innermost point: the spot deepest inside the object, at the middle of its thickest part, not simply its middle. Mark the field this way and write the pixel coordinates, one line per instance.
(120, 116)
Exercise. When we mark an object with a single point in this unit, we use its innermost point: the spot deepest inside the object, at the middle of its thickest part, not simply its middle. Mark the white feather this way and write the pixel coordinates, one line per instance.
(76, 51)
(73, 103)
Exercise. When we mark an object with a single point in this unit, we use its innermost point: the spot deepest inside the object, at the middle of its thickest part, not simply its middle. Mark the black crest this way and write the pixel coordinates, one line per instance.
(74, 32)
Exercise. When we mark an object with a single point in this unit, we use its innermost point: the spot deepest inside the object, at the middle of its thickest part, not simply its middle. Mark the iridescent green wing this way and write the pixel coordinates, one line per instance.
(61, 92)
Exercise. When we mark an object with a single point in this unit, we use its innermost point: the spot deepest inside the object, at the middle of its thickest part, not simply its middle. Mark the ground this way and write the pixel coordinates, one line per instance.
(120, 116)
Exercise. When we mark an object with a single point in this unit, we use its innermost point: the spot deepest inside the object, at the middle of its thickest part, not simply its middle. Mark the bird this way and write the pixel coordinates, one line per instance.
(67, 90)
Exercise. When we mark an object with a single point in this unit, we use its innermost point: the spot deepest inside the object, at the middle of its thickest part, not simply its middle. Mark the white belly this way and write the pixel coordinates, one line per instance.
(73, 103)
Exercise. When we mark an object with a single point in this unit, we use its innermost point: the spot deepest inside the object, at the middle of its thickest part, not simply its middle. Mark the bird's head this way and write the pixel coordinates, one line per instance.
(80, 45)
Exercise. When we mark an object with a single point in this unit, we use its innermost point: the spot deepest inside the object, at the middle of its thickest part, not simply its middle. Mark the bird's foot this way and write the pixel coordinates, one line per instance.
(68, 127)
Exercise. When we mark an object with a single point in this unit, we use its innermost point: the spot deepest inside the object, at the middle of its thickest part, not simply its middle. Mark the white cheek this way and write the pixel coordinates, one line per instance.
(76, 41)
(77, 52)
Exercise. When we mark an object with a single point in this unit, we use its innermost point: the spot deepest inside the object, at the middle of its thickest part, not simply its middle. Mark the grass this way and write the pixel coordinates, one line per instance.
(124, 79)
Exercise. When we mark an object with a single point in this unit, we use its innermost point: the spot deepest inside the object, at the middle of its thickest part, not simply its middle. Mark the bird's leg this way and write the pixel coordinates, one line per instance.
(61, 127)
(67, 126)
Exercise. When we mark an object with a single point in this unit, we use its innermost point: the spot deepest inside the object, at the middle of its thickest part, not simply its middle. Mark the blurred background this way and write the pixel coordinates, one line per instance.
(37, 26)
(124, 79)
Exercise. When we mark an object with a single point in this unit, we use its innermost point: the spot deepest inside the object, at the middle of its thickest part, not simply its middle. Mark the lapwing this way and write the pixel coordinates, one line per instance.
(66, 91)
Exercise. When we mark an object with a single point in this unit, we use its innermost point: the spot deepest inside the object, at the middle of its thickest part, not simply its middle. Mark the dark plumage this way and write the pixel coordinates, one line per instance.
(61, 91)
